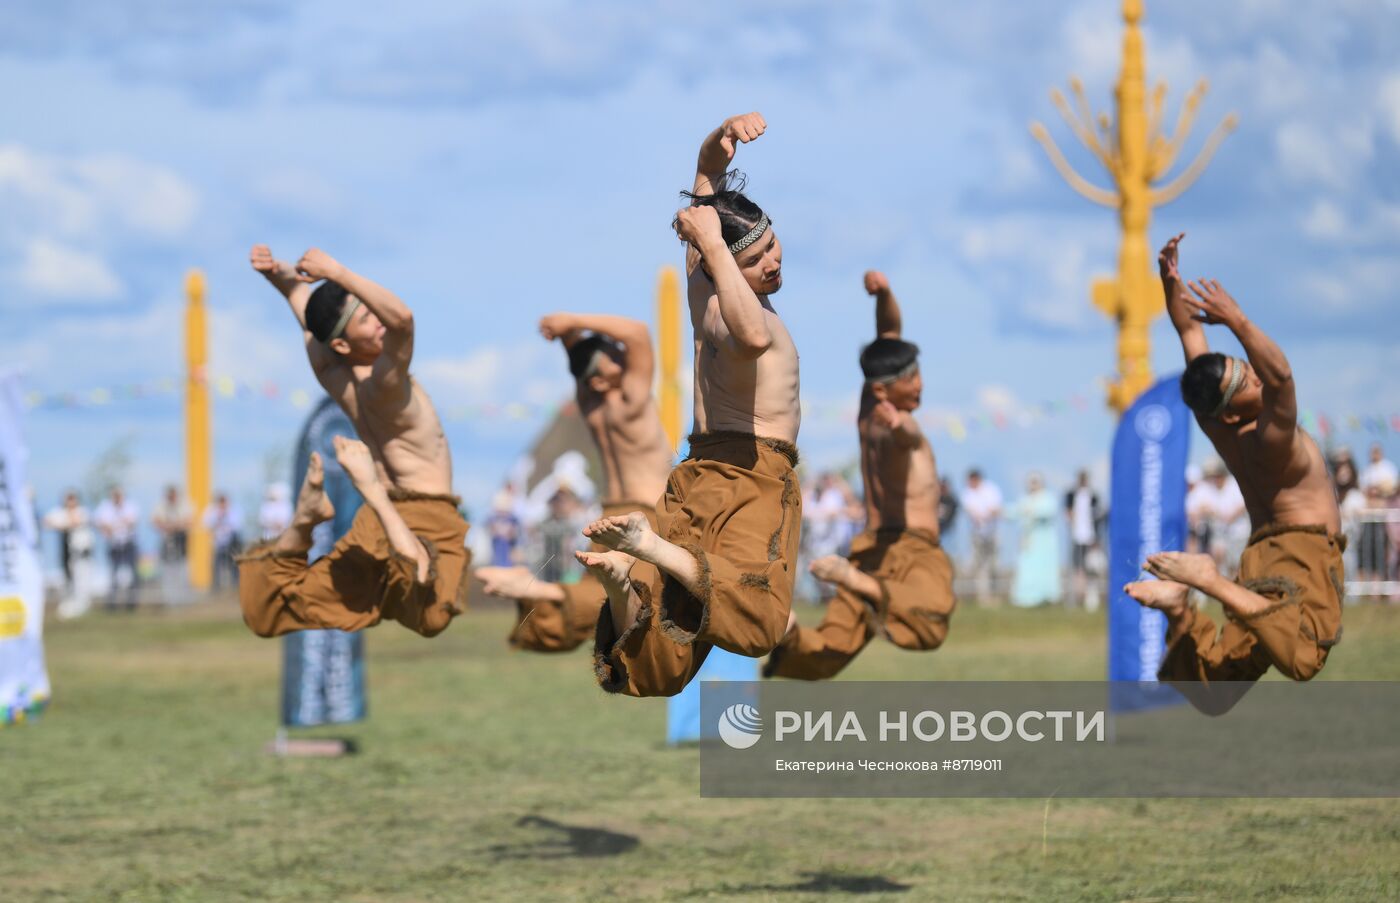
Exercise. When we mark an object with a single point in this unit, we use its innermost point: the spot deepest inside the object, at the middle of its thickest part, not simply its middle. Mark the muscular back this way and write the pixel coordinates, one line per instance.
(633, 444)
(733, 392)
(1291, 490)
(901, 482)
(402, 429)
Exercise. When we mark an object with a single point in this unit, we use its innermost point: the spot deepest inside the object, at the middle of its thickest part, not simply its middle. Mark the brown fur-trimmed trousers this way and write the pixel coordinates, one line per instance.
(735, 505)
(362, 580)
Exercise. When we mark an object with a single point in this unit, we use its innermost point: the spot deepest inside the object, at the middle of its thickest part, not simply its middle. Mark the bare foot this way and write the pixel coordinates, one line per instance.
(611, 569)
(1166, 596)
(830, 568)
(358, 463)
(627, 533)
(313, 505)
(516, 583)
(1183, 567)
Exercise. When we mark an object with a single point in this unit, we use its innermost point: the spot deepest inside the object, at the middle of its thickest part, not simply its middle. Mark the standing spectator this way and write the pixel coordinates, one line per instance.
(827, 525)
(117, 518)
(981, 500)
(1216, 514)
(70, 521)
(1380, 471)
(1373, 550)
(223, 520)
(1038, 564)
(504, 528)
(947, 507)
(275, 513)
(560, 534)
(172, 522)
(1193, 479)
(1352, 503)
(1082, 512)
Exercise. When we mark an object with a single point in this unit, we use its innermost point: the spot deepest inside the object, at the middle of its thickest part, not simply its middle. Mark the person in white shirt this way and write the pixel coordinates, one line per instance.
(117, 518)
(981, 501)
(1216, 513)
(76, 540)
(275, 515)
(1380, 471)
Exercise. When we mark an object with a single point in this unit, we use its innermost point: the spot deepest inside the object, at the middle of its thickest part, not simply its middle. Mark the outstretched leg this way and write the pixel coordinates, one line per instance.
(633, 536)
(355, 458)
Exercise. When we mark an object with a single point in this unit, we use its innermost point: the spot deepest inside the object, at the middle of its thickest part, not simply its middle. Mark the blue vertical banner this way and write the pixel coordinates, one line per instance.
(323, 671)
(1147, 514)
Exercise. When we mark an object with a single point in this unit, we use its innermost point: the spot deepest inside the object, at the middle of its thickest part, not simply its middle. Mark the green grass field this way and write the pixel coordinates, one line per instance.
(486, 774)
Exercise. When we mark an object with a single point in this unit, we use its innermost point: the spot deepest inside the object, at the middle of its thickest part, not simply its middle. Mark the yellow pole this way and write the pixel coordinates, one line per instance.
(668, 340)
(197, 431)
(1135, 155)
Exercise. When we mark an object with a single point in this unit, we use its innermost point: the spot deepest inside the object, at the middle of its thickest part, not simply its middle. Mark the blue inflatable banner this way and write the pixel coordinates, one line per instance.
(323, 671)
(1147, 514)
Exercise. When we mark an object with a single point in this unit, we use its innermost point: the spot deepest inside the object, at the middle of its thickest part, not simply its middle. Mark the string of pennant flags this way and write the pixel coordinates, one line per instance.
(956, 424)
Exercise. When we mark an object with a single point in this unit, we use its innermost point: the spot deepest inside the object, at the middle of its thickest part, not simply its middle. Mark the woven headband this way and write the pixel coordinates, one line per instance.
(344, 320)
(754, 234)
(1236, 377)
(909, 370)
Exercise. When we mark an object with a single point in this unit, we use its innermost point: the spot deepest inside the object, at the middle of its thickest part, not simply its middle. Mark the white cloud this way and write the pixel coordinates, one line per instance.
(91, 196)
(1324, 221)
(61, 273)
(1388, 100)
(1310, 152)
(497, 375)
(996, 397)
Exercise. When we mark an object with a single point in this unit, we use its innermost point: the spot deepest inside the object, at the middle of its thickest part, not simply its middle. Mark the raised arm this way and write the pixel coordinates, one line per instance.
(741, 313)
(1278, 421)
(283, 277)
(633, 335)
(1193, 337)
(888, 323)
(395, 316)
(717, 150)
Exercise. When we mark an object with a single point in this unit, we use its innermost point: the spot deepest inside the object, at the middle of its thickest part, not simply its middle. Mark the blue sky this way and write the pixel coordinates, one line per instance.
(493, 164)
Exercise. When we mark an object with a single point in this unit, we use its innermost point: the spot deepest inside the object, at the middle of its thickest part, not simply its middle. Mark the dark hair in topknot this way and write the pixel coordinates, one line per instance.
(737, 214)
(1200, 384)
(323, 309)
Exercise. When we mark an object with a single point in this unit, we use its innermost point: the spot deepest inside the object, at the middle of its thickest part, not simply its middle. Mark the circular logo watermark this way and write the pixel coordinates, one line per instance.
(1153, 423)
(740, 726)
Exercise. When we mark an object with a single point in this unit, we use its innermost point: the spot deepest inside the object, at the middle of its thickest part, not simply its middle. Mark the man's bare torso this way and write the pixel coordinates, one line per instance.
(633, 444)
(901, 483)
(1295, 492)
(750, 395)
(403, 433)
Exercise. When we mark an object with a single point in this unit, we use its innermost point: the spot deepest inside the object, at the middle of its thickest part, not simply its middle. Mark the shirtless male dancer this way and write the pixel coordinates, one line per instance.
(612, 370)
(1286, 608)
(897, 581)
(728, 525)
(403, 557)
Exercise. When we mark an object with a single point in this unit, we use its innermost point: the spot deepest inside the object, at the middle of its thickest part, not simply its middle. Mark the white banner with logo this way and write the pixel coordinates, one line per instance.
(24, 683)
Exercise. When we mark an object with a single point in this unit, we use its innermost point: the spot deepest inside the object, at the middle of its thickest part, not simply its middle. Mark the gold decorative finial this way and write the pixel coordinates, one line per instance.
(1135, 158)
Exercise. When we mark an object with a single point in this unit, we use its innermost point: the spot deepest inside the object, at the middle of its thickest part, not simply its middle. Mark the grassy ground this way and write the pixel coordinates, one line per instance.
(491, 775)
